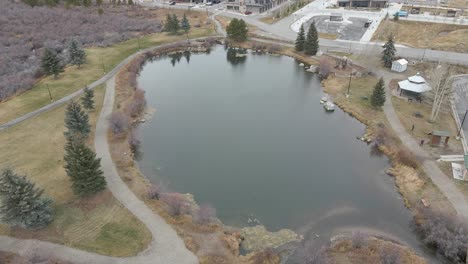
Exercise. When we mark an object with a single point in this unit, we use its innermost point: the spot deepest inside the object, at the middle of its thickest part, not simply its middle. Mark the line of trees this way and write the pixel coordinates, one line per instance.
(25, 205)
(173, 24)
(309, 43)
(52, 64)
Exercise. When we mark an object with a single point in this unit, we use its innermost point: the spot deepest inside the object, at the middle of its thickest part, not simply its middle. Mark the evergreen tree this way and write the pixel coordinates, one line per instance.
(378, 95)
(83, 168)
(311, 44)
(88, 99)
(98, 2)
(76, 122)
(388, 54)
(77, 54)
(175, 24)
(185, 25)
(22, 202)
(300, 39)
(32, 3)
(51, 63)
(130, 2)
(87, 3)
(237, 30)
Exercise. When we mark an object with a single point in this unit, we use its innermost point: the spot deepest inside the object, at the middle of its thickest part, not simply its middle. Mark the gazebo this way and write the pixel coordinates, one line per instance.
(414, 86)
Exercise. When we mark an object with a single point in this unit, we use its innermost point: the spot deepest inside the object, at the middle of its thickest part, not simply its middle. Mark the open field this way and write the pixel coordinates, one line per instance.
(425, 35)
(100, 224)
(100, 60)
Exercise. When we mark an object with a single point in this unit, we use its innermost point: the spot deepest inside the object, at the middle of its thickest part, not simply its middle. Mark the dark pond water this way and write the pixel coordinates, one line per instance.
(249, 136)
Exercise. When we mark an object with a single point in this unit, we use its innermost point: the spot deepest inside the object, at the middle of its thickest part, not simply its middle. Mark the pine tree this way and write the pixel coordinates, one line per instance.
(76, 122)
(378, 95)
(169, 24)
(185, 25)
(311, 44)
(175, 24)
(237, 30)
(51, 63)
(77, 54)
(88, 99)
(22, 202)
(388, 54)
(130, 2)
(83, 168)
(98, 2)
(300, 39)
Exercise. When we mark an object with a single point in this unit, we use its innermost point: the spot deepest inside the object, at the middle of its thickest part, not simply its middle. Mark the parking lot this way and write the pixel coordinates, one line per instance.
(351, 28)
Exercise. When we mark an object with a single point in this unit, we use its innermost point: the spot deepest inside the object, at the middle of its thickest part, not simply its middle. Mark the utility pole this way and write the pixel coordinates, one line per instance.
(349, 83)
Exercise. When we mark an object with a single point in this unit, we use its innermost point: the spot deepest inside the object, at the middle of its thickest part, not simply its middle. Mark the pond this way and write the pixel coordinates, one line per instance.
(249, 136)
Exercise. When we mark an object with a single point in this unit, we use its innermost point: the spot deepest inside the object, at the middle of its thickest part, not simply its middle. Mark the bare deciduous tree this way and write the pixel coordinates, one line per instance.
(178, 204)
(441, 84)
(390, 255)
(359, 239)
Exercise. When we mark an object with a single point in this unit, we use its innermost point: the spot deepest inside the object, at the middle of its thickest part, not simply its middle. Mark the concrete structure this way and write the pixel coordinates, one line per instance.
(363, 3)
(399, 65)
(252, 6)
(415, 86)
(336, 17)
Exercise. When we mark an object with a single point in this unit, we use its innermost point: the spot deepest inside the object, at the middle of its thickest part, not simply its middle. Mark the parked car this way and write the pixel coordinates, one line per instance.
(171, 3)
(248, 12)
(216, 1)
(401, 13)
(209, 4)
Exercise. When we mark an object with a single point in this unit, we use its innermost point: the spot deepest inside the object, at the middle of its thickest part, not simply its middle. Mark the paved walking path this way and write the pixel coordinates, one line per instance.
(165, 248)
(445, 185)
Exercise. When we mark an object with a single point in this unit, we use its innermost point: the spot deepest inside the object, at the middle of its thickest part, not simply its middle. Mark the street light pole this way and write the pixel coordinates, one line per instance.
(349, 83)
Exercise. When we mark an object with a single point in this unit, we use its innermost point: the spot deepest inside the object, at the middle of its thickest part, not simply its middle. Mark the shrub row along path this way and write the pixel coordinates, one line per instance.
(445, 185)
(166, 246)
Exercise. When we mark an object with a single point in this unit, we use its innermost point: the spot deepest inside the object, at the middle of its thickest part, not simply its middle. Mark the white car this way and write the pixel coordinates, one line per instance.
(209, 3)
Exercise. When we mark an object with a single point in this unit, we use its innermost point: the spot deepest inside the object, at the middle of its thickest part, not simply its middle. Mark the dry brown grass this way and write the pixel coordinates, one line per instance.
(446, 167)
(436, 36)
(457, 3)
(35, 148)
(343, 252)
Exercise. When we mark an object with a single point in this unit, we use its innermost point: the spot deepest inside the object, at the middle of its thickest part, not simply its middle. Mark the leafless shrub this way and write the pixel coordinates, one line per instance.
(359, 239)
(390, 255)
(382, 137)
(137, 103)
(205, 214)
(324, 68)
(178, 204)
(308, 253)
(119, 123)
(22, 41)
(155, 191)
(406, 157)
(447, 233)
(274, 48)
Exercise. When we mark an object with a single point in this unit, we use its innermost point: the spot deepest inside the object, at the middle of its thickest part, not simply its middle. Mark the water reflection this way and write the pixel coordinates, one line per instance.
(236, 56)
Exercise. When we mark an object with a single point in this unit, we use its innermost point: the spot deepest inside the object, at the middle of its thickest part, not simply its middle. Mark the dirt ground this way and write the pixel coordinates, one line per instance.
(425, 35)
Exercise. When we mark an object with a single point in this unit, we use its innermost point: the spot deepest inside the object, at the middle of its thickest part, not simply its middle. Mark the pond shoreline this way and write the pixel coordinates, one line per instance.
(126, 85)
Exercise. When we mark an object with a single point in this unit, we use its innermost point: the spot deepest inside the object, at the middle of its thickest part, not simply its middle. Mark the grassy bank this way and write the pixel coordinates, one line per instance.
(99, 223)
(99, 61)
(426, 35)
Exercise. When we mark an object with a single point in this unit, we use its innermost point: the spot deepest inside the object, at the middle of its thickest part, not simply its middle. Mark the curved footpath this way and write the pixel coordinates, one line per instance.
(445, 185)
(165, 248)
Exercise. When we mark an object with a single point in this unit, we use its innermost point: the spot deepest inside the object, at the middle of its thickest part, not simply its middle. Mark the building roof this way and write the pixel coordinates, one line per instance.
(401, 61)
(414, 87)
(440, 133)
(416, 78)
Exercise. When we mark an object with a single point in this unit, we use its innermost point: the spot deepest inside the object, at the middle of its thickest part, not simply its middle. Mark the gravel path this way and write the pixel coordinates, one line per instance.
(165, 248)
(445, 185)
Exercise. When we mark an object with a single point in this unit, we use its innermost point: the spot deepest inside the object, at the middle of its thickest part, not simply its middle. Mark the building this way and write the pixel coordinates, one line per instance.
(414, 86)
(363, 3)
(252, 6)
(399, 65)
